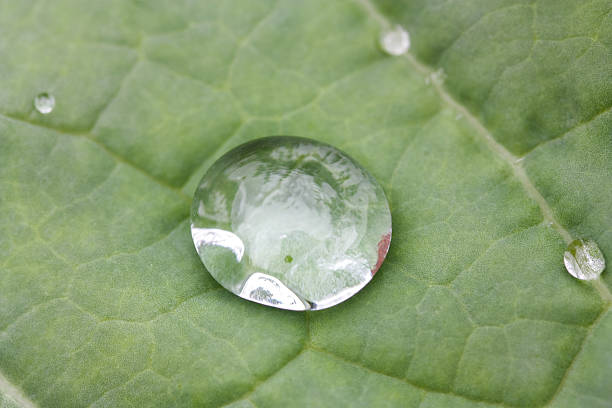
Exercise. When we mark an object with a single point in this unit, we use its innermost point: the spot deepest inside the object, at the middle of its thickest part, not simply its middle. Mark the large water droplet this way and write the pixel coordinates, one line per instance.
(44, 103)
(395, 40)
(583, 259)
(291, 223)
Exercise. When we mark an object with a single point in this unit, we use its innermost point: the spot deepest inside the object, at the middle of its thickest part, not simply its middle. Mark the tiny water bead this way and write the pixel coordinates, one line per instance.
(584, 260)
(44, 103)
(395, 40)
(439, 76)
(290, 223)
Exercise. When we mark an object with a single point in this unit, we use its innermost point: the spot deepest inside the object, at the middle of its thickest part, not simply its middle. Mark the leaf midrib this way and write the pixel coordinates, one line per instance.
(10, 390)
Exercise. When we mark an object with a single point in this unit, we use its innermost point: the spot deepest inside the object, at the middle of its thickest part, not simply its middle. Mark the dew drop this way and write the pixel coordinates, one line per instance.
(290, 223)
(583, 259)
(44, 103)
(439, 76)
(395, 40)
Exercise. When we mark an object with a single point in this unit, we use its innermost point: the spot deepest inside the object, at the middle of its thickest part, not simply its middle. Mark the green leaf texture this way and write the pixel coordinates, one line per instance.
(492, 139)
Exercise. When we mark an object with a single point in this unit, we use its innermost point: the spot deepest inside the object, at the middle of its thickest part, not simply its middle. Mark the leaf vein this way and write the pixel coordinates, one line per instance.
(567, 132)
(262, 381)
(104, 148)
(575, 358)
(404, 380)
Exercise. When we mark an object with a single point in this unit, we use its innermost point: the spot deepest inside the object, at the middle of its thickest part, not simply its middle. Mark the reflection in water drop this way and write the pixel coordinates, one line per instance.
(383, 248)
(268, 290)
(217, 237)
(583, 259)
(290, 223)
(44, 103)
(395, 41)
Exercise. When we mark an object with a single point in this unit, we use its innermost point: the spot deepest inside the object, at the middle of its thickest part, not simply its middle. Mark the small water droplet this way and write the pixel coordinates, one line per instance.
(44, 103)
(395, 41)
(583, 259)
(438, 76)
(290, 223)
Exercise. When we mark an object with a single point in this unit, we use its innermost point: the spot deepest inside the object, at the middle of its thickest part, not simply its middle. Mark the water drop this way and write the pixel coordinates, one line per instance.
(290, 223)
(583, 259)
(395, 41)
(439, 76)
(44, 103)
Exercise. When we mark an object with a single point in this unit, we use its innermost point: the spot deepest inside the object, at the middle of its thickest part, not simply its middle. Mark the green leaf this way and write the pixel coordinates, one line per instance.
(103, 301)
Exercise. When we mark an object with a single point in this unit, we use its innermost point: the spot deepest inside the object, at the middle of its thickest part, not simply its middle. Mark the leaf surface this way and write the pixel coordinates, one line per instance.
(492, 139)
